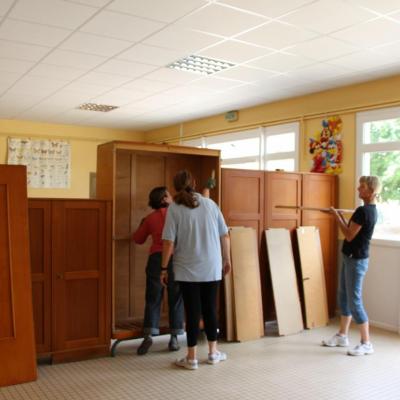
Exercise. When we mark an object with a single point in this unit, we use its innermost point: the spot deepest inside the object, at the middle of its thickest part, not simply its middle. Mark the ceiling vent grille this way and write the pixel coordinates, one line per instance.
(200, 65)
(96, 107)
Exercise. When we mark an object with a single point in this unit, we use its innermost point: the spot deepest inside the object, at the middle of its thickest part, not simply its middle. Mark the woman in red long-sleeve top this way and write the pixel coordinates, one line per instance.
(152, 225)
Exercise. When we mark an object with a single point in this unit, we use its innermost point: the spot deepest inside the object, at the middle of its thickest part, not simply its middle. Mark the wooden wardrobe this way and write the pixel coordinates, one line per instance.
(249, 198)
(126, 172)
(70, 242)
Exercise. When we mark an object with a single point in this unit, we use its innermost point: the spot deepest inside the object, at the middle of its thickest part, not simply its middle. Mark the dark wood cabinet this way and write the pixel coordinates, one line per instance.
(70, 243)
(249, 198)
(126, 172)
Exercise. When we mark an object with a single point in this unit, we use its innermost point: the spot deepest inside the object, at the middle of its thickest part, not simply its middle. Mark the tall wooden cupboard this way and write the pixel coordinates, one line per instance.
(70, 242)
(249, 198)
(126, 172)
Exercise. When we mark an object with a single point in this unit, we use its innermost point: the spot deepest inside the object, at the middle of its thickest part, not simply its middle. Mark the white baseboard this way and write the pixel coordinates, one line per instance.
(383, 325)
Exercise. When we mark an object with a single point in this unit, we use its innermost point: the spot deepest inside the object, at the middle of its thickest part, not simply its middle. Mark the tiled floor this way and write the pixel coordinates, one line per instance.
(291, 367)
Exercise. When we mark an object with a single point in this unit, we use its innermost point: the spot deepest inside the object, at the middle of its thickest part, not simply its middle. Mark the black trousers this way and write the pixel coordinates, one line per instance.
(200, 299)
(154, 295)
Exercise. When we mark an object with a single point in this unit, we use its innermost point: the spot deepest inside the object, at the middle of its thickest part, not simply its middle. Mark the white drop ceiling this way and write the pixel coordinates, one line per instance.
(57, 54)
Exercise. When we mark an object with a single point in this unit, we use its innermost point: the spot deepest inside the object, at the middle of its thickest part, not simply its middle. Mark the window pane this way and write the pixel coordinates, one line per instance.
(382, 131)
(286, 165)
(245, 165)
(280, 143)
(386, 165)
(237, 148)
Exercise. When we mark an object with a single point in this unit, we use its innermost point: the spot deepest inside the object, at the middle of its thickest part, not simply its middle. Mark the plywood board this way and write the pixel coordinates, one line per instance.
(284, 282)
(229, 309)
(313, 276)
(246, 284)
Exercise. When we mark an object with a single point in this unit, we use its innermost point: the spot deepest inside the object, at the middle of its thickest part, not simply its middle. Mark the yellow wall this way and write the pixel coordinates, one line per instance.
(83, 140)
(309, 110)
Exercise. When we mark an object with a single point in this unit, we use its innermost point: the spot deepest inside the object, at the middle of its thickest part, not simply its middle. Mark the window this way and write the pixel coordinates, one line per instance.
(261, 148)
(378, 153)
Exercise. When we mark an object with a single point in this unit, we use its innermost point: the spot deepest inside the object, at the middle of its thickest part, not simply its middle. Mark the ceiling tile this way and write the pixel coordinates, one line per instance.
(17, 66)
(281, 62)
(171, 76)
(88, 89)
(216, 83)
(7, 79)
(234, 51)
(319, 72)
(26, 32)
(52, 12)
(126, 68)
(151, 55)
(390, 50)
(245, 74)
(181, 39)
(103, 79)
(166, 11)
(145, 85)
(93, 44)
(322, 48)
(327, 16)
(209, 19)
(371, 33)
(74, 59)
(56, 72)
(121, 26)
(119, 97)
(38, 85)
(92, 3)
(269, 8)
(381, 6)
(20, 51)
(365, 60)
(5, 6)
(277, 35)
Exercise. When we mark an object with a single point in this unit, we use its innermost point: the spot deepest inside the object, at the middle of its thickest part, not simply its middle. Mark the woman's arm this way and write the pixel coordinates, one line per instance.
(349, 230)
(168, 248)
(226, 253)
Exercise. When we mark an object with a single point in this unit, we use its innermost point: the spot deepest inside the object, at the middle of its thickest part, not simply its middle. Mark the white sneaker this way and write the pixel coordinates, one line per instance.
(336, 341)
(215, 358)
(361, 349)
(186, 363)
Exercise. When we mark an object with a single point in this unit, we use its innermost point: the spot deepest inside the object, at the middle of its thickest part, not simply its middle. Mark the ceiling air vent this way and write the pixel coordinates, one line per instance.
(96, 107)
(200, 65)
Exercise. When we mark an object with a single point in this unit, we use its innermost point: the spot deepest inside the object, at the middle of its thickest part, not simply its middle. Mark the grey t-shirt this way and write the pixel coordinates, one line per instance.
(196, 233)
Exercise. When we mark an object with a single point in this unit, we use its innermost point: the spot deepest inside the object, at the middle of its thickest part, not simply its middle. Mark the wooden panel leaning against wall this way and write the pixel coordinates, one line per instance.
(70, 244)
(126, 172)
(17, 348)
(249, 198)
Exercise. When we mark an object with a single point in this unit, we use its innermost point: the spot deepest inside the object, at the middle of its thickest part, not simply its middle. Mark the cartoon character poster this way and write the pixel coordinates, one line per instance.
(326, 147)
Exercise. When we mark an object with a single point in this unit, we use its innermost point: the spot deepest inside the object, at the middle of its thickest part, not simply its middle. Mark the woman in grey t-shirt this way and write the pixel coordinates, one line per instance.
(195, 231)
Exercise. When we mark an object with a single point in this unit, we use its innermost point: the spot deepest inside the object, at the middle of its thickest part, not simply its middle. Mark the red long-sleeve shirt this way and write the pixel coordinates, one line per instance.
(152, 225)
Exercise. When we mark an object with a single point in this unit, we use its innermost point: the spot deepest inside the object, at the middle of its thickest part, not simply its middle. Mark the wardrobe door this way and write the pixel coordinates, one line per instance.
(320, 190)
(17, 346)
(81, 279)
(40, 250)
(242, 194)
(282, 189)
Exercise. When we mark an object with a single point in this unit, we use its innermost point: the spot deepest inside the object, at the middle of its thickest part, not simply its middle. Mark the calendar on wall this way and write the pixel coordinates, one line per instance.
(48, 162)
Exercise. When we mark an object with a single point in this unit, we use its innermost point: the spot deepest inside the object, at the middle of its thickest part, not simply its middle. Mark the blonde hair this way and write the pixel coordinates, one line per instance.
(373, 183)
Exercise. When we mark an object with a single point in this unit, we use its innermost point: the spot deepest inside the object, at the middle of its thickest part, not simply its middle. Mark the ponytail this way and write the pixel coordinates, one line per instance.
(184, 186)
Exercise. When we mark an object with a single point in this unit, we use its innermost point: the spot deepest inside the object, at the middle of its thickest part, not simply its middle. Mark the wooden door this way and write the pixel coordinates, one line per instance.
(242, 193)
(320, 190)
(17, 346)
(40, 250)
(282, 189)
(81, 278)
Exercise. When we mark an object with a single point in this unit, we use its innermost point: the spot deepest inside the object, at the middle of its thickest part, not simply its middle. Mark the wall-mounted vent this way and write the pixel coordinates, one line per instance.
(96, 107)
(200, 65)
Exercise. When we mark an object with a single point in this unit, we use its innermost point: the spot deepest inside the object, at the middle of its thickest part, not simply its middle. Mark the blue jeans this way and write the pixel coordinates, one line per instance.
(154, 295)
(350, 288)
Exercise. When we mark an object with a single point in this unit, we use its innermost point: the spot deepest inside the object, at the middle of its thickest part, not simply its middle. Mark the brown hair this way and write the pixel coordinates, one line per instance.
(184, 186)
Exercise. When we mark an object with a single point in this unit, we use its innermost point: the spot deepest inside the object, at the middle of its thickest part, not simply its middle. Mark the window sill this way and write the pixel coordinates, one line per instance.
(385, 242)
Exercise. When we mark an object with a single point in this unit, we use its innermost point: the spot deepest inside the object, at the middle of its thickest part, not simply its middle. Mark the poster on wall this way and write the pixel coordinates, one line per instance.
(48, 161)
(326, 147)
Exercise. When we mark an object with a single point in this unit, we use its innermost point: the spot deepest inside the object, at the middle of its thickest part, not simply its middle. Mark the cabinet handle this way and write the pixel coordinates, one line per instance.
(60, 276)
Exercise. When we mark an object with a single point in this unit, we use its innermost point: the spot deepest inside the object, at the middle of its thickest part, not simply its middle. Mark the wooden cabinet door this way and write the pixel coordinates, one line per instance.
(320, 190)
(40, 249)
(17, 346)
(80, 278)
(282, 189)
(242, 194)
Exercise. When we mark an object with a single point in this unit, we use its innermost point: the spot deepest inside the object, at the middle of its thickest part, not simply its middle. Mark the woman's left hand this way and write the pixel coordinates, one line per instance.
(226, 268)
(164, 278)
